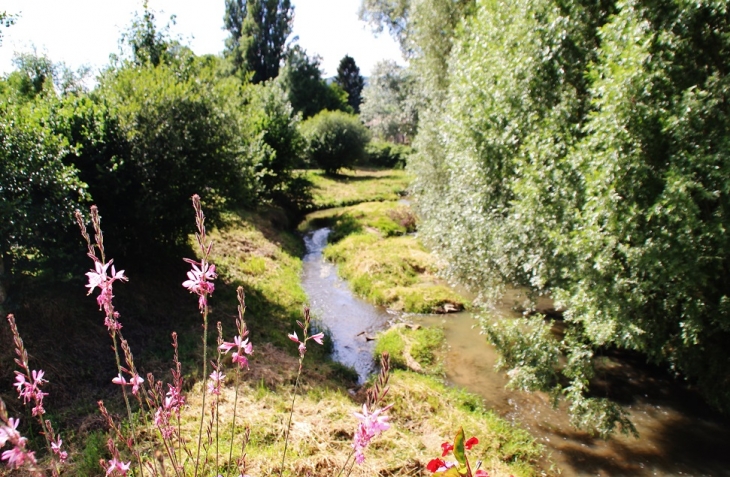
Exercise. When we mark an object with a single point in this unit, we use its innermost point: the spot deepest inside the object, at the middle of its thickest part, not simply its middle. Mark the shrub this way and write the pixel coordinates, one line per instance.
(387, 154)
(335, 140)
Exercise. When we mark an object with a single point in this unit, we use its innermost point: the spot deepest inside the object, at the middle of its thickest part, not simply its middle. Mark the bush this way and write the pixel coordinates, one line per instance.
(335, 140)
(387, 154)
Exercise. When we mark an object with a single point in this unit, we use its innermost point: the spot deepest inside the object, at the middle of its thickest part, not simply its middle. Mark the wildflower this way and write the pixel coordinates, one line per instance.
(447, 447)
(302, 344)
(117, 467)
(438, 465)
(200, 280)
(56, 447)
(17, 456)
(98, 278)
(214, 387)
(371, 424)
(471, 442)
(10, 433)
(120, 380)
(242, 347)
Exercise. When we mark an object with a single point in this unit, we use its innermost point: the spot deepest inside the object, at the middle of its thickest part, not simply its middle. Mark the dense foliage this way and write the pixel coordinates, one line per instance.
(349, 79)
(389, 106)
(259, 30)
(579, 149)
(306, 90)
(335, 140)
(160, 125)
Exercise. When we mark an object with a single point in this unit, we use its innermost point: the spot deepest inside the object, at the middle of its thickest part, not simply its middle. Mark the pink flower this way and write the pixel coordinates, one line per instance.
(135, 382)
(10, 433)
(98, 278)
(116, 466)
(56, 447)
(214, 387)
(120, 380)
(242, 346)
(302, 344)
(200, 280)
(17, 456)
(371, 424)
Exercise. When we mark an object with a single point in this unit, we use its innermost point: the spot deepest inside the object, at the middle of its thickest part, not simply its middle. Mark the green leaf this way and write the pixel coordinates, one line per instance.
(459, 447)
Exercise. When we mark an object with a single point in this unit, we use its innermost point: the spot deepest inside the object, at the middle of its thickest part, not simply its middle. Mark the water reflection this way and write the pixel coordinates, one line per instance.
(351, 321)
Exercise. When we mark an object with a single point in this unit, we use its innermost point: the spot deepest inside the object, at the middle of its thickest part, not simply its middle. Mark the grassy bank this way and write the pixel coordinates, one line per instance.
(425, 414)
(381, 262)
(355, 186)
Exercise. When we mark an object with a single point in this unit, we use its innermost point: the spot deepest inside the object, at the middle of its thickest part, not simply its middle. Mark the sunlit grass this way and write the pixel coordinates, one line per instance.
(355, 186)
(382, 265)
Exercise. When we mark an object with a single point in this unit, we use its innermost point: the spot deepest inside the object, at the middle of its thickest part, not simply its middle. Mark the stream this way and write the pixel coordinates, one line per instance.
(679, 434)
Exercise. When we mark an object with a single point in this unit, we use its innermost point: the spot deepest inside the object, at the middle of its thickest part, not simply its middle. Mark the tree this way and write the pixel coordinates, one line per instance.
(581, 152)
(259, 30)
(307, 92)
(349, 79)
(388, 107)
(335, 140)
(38, 192)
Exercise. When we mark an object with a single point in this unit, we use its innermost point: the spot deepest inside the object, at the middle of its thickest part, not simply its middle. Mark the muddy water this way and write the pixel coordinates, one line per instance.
(679, 435)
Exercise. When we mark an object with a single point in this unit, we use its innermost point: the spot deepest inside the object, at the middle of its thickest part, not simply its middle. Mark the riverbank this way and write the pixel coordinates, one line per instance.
(252, 250)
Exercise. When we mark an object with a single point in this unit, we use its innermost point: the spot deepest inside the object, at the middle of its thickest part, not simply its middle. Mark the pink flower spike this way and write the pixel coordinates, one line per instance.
(136, 381)
(318, 337)
(56, 447)
(10, 433)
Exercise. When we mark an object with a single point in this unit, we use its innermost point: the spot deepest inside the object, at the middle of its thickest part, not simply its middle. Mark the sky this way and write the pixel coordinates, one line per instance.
(85, 32)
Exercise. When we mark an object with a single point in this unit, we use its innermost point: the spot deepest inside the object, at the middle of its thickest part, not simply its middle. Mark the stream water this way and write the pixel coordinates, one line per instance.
(679, 434)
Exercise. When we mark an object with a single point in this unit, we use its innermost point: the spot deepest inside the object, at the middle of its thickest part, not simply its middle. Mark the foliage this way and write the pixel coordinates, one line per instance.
(277, 148)
(149, 44)
(259, 30)
(387, 154)
(158, 134)
(388, 106)
(392, 14)
(38, 192)
(580, 153)
(335, 140)
(307, 92)
(349, 79)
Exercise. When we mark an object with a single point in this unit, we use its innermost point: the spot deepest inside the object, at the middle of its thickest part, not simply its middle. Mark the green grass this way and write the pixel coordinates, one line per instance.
(397, 272)
(355, 186)
(415, 349)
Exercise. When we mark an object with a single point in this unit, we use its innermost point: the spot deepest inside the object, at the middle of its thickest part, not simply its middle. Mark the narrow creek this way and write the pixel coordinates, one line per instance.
(679, 434)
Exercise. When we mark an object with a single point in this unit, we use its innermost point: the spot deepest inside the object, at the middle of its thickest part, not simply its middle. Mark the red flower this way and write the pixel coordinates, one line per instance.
(481, 473)
(471, 442)
(435, 465)
(447, 447)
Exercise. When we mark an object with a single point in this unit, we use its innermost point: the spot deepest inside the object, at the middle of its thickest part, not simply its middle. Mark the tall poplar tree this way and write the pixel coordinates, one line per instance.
(350, 80)
(259, 30)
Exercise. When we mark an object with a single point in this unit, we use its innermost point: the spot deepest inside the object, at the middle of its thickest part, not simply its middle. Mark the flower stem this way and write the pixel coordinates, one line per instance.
(233, 425)
(291, 412)
(205, 374)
